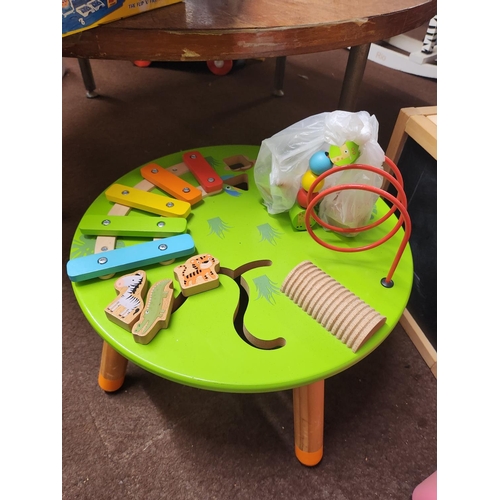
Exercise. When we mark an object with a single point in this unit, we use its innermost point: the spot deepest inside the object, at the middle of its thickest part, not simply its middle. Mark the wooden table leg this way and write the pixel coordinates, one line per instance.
(355, 69)
(308, 421)
(88, 77)
(279, 76)
(112, 369)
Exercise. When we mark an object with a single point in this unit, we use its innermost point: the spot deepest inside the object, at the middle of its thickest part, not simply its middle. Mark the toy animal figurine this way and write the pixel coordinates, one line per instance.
(198, 274)
(156, 312)
(127, 307)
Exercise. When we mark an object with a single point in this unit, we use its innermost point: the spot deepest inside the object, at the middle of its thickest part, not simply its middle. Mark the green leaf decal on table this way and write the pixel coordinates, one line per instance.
(268, 233)
(82, 247)
(266, 288)
(218, 226)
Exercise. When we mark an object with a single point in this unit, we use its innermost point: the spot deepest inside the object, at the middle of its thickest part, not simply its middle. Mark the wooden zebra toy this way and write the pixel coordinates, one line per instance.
(126, 309)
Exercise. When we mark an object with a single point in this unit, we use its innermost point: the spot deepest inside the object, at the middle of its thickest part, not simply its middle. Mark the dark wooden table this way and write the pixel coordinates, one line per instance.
(206, 30)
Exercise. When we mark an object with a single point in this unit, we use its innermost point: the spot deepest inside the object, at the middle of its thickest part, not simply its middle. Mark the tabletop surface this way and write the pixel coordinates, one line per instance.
(200, 30)
(201, 346)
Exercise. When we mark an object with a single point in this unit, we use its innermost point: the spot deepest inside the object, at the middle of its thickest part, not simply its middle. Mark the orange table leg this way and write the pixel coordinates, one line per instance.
(308, 420)
(112, 369)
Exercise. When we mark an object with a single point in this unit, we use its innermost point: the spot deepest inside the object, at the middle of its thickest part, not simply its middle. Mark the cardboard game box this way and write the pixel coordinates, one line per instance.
(81, 15)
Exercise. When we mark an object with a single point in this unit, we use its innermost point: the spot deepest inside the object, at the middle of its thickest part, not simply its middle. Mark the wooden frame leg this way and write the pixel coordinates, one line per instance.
(112, 369)
(308, 421)
(356, 64)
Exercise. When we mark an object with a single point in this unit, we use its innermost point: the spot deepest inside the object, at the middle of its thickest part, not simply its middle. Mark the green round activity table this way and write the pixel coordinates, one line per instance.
(205, 345)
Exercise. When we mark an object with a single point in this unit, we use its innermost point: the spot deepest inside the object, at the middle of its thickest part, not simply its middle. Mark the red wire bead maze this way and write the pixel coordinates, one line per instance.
(399, 202)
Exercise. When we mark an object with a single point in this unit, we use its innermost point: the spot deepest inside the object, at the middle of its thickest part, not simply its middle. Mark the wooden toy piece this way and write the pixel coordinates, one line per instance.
(105, 243)
(147, 227)
(238, 162)
(316, 163)
(297, 217)
(302, 197)
(171, 183)
(207, 177)
(308, 178)
(126, 258)
(332, 305)
(345, 154)
(320, 162)
(127, 307)
(198, 274)
(156, 312)
(149, 202)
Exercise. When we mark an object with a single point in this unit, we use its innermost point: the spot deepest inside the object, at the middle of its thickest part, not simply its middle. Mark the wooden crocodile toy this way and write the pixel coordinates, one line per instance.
(156, 312)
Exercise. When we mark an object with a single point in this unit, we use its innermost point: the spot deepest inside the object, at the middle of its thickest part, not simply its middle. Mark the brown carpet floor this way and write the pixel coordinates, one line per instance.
(155, 439)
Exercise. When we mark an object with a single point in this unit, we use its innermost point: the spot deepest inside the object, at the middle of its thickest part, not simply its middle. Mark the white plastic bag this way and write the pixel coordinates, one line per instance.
(284, 158)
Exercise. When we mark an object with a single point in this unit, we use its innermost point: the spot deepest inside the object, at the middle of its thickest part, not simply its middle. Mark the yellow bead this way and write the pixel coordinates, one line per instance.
(308, 178)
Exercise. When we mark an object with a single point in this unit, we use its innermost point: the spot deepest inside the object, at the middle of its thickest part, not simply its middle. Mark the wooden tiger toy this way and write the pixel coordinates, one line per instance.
(198, 274)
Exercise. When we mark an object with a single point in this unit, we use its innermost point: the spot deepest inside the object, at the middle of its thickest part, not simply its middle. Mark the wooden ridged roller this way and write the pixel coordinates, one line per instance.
(332, 305)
